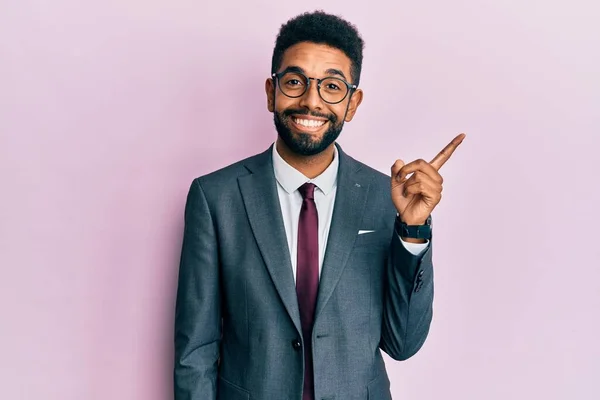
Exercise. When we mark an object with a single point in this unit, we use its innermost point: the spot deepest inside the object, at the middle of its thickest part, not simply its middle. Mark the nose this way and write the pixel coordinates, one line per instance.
(311, 99)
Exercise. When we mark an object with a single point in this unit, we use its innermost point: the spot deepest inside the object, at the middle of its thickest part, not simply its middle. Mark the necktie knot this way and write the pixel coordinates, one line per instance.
(307, 191)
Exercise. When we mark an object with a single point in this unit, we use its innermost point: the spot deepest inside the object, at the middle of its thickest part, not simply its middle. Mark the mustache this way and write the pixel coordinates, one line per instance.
(287, 113)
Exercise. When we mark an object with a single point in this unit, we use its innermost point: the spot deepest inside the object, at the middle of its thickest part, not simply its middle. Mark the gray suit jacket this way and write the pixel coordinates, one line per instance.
(237, 324)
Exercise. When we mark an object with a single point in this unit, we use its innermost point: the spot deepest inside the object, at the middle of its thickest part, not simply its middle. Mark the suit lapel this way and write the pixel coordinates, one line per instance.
(350, 200)
(259, 192)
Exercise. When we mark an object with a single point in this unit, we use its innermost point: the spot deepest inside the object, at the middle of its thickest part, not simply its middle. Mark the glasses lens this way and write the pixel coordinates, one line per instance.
(333, 90)
(293, 84)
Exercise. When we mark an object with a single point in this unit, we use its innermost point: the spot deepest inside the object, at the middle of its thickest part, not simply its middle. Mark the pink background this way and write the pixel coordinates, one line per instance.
(108, 110)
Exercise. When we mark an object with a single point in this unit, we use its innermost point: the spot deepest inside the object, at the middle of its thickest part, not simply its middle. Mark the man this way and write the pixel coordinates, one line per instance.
(300, 263)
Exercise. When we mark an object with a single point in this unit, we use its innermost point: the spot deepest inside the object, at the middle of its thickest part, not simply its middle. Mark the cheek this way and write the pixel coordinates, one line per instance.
(282, 103)
(340, 112)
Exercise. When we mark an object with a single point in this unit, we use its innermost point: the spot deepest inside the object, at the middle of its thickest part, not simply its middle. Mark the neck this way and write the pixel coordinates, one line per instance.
(309, 166)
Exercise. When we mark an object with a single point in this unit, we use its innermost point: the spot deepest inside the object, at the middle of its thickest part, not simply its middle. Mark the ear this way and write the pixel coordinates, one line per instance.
(355, 101)
(270, 91)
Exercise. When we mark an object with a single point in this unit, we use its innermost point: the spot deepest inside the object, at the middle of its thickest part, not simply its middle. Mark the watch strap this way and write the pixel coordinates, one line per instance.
(414, 231)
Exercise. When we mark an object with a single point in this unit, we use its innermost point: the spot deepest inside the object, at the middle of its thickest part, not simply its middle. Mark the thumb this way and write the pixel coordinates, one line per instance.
(396, 169)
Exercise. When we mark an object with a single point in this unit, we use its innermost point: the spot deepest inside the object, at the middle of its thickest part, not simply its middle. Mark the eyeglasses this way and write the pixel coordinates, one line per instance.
(331, 90)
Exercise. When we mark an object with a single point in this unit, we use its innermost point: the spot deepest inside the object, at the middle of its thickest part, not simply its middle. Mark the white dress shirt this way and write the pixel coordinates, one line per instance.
(289, 180)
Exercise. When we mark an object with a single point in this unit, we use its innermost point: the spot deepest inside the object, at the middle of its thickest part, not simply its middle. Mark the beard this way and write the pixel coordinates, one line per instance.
(305, 143)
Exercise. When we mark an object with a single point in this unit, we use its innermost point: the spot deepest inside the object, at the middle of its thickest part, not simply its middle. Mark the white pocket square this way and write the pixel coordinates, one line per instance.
(361, 232)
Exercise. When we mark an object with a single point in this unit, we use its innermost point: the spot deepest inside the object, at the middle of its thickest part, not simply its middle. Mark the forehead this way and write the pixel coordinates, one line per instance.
(315, 59)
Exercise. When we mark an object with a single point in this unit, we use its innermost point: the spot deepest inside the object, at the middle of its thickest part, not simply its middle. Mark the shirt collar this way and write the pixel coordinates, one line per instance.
(291, 179)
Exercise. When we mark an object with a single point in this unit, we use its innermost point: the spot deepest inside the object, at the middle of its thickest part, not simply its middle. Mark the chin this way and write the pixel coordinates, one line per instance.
(315, 138)
(306, 143)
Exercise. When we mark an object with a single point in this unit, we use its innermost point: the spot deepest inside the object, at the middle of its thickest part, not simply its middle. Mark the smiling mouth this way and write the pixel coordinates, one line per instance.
(309, 124)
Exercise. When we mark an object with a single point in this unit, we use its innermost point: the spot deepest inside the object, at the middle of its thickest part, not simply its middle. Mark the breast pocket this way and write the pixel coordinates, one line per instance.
(372, 239)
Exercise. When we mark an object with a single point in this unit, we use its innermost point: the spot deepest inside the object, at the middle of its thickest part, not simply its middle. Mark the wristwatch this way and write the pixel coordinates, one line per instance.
(414, 231)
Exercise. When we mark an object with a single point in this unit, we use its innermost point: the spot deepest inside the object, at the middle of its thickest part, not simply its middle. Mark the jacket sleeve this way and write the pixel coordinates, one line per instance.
(197, 308)
(407, 302)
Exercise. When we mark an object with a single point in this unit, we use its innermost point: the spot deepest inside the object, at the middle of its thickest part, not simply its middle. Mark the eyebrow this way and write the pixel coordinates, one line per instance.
(330, 71)
(333, 71)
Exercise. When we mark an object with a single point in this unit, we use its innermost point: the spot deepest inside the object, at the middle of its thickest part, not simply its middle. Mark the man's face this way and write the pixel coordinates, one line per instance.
(307, 124)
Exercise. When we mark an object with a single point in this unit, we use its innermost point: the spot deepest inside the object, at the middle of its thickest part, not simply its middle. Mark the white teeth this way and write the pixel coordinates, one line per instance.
(310, 123)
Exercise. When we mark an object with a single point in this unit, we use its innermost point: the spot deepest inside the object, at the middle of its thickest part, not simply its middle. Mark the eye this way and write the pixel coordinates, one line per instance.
(333, 85)
(293, 82)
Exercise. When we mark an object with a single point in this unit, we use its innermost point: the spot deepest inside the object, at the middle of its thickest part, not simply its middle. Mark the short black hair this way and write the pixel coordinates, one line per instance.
(321, 28)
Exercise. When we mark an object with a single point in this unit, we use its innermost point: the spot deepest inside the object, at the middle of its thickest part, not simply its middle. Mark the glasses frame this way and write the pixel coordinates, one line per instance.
(350, 87)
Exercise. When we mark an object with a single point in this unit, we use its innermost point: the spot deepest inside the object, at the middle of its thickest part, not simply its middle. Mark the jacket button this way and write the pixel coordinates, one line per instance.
(296, 344)
(419, 286)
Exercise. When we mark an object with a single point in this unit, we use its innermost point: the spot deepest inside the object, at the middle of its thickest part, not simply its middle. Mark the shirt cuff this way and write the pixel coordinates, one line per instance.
(415, 249)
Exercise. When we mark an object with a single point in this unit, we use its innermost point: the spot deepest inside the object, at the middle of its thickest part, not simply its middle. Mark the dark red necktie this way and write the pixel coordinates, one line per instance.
(307, 278)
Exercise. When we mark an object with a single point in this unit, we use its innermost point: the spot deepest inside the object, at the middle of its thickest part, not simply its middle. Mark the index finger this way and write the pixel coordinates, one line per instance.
(446, 152)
